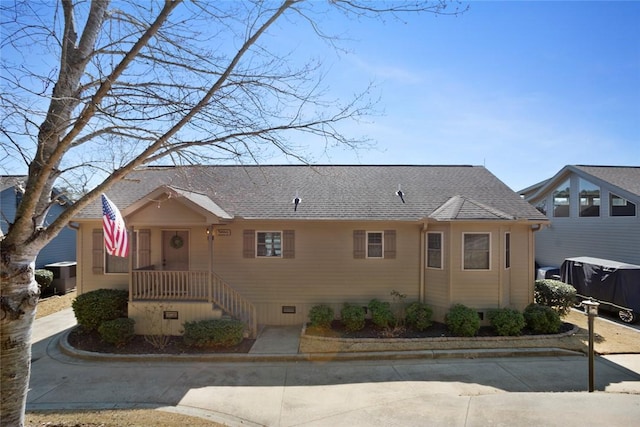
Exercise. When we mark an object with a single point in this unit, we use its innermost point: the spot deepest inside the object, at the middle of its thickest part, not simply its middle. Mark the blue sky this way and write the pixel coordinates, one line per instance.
(523, 88)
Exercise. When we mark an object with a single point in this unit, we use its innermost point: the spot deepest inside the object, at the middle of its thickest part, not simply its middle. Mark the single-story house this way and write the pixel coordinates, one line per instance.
(267, 243)
(63, 247)
(593, 212)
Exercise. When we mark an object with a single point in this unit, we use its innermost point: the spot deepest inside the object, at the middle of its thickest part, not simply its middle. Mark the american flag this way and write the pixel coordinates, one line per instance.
(115, 232)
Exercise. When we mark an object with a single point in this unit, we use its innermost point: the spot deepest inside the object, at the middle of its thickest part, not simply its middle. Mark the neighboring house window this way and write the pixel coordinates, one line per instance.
(589, 199)
(561, 200)
(268, 244)
(434, 250)
(507, 250)
(374, 244)
(542, 207)
(619, 206)
(476, 251)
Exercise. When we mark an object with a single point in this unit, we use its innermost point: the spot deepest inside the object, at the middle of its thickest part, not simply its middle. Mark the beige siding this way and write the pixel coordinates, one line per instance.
(497, 287)
(323, 271)
(149, 316)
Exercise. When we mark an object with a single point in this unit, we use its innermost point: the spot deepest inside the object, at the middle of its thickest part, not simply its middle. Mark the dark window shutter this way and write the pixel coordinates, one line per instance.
(97, 251)
(288, 244)
(390, 244)
(359, 244)
(249, 244)
(144, 248)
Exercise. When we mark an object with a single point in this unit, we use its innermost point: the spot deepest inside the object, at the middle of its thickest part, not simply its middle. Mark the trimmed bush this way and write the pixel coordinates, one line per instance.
(555, 294)
(44, 279)
(95, 307)
(352, 317)
(213, 333)
(462, 321)
(418, 316)
(117, 331)
(507, 321)
(542, 319)
(321, 316)
(381, 314)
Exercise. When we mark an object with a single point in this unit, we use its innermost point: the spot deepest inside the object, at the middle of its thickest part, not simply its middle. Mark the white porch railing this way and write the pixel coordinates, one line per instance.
(193, 286)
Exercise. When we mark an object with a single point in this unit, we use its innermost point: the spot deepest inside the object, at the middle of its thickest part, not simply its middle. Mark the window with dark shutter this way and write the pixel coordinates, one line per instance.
(359, 244)
(390, 244)
(249, 244)
(288, 244)
(97, 258)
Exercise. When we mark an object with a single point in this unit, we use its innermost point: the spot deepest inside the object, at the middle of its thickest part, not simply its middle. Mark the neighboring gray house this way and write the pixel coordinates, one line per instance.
(593, 212)
(62, 248)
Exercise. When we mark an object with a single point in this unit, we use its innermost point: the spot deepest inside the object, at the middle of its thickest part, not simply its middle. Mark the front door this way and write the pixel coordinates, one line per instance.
(175, 250)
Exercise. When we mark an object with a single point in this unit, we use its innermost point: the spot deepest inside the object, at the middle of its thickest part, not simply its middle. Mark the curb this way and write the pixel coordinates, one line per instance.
(68, 350)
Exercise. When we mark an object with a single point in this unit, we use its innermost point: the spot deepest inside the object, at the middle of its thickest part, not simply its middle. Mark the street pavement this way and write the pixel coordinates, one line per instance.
(272, 386)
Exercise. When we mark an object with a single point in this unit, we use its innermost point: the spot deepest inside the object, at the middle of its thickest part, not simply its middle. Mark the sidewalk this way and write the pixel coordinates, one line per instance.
(519, 391)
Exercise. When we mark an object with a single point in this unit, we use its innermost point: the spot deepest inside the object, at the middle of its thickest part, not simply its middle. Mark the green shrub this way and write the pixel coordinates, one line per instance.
(462, 321)
(321, 316)
(352, 317)
(213, 333)
(381, 314)
(44, 279)
(418, 316)
(95, 307)
(507, 322)
(542, 319)
(117, 331)
(555, 294)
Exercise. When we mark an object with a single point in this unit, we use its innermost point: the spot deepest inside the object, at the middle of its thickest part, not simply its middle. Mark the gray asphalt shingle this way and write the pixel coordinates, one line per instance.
(331, 192)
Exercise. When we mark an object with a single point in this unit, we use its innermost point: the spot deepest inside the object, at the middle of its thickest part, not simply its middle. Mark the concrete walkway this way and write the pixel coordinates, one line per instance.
(520, 391)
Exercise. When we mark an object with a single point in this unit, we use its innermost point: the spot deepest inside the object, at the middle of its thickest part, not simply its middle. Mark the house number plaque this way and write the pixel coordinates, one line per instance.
(223, 232)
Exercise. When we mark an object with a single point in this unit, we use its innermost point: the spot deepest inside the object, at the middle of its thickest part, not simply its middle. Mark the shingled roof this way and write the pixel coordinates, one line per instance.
(333, 192)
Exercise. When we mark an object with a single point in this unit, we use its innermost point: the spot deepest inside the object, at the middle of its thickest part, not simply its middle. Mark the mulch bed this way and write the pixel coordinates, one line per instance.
(437, 329)
(91, 341)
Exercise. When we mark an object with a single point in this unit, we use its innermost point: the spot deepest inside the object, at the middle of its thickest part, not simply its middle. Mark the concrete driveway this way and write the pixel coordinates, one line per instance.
(511, 391)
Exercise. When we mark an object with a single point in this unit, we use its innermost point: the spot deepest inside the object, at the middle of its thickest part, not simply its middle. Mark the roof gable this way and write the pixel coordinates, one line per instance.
(462, 208)
(623, 179)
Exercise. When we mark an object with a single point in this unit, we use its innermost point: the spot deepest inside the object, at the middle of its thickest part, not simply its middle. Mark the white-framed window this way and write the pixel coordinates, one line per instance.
(507, 250)
(589, 198)
(561, 200)
(375, 244)
(434, 250)
(269, 244)
(619, 206)
(476, 251)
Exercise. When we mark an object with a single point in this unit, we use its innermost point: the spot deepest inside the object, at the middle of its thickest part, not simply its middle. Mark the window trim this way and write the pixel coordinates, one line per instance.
(441, 250)
(381, 233)
(257, 242)
(487, 233)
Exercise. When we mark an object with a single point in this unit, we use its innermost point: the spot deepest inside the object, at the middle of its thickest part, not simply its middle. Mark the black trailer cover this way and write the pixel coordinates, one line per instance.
(606, 281)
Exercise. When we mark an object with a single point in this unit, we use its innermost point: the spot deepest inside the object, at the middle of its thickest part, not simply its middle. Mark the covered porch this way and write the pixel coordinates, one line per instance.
(147, 285)
(172, 258)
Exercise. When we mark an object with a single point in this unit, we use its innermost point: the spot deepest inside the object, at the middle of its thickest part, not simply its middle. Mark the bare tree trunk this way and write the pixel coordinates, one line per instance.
(18, 308)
